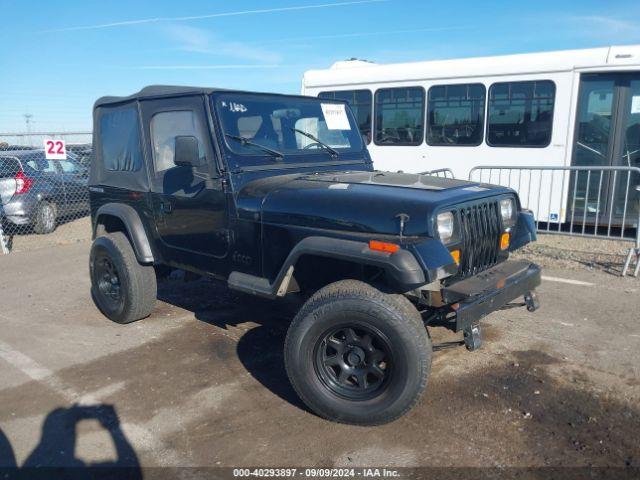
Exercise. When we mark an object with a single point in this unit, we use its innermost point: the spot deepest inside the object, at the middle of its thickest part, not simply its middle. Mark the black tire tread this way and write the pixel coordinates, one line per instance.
(141, 292)
(357, 289)
(38, 227)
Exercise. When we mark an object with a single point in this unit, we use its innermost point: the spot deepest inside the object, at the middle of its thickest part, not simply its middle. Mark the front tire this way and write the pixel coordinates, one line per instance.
(356, 355)
(122, 289)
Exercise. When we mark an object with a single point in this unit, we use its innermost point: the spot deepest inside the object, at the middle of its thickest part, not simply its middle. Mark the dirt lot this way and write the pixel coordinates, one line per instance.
(202, 382)
(69, 232)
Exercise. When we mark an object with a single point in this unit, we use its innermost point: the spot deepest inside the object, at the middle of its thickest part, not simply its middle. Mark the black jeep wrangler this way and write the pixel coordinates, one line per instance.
(277, 195)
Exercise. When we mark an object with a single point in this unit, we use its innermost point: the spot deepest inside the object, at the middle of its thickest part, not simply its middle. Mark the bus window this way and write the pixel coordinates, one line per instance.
(521, 114)
(456, 115)
(360, 103)
(399, 116)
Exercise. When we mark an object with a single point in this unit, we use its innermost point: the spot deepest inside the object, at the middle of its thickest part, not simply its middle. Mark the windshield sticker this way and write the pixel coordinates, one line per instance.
(635, 104)
(335, 116)
(235, 107)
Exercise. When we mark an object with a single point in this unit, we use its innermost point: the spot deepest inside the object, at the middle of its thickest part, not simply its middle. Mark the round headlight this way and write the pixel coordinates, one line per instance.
(445, 226)
(508, 212)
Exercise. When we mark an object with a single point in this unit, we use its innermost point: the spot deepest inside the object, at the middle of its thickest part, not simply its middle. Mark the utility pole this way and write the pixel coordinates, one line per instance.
(27, 121)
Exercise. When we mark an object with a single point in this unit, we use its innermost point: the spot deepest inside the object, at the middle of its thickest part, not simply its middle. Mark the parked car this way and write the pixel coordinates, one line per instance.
(276, 195)
(37, 192)
(82, 152)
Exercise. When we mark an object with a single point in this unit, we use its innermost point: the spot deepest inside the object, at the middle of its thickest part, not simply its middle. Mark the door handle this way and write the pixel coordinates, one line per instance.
(166, 207)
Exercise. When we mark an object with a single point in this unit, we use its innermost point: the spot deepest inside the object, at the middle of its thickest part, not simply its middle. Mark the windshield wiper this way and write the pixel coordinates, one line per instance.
(246, 141)
(333, 152)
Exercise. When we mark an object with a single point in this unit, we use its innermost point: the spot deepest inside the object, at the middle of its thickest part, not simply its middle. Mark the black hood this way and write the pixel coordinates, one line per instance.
(357, 201)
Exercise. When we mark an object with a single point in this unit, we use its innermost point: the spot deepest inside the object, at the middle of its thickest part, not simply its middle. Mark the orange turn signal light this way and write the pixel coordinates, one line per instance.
(456, 256)
(383, 246)
(504, 241)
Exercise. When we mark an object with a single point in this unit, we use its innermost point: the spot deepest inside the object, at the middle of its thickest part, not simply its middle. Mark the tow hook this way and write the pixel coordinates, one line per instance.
(472, 337)
(532, 301)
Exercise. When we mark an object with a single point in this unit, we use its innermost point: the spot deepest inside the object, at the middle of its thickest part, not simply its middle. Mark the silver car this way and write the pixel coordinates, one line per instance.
(36, 192)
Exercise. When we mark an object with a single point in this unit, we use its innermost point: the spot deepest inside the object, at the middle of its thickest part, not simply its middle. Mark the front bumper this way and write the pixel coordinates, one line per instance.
(477, 296)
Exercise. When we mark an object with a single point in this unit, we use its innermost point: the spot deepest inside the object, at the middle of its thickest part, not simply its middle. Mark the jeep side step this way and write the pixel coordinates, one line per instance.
(261, 286)
(251, 284)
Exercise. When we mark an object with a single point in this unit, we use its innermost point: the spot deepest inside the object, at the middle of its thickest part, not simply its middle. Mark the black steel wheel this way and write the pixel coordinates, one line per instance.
(107, 278)
(123, 289)
(354, 361)
(357, 355)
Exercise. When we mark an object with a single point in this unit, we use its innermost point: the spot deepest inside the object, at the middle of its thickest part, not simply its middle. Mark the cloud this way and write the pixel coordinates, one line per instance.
(199, 40)
(604, 27)
(240, 66)
(362, 34)
(126, 23)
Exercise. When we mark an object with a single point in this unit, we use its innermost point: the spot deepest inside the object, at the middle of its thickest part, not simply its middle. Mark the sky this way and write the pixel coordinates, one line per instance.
(58, 56)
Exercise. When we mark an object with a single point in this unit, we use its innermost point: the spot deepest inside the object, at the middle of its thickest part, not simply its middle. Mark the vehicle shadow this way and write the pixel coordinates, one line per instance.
(260, 324)
(55, 454)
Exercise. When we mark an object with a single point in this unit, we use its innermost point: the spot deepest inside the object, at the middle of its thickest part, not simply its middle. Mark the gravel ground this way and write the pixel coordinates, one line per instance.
(70, 232)
(577, 253)
(201, 382)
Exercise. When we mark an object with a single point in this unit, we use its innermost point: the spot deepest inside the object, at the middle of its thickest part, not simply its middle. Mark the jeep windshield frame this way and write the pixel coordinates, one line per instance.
(271, 120)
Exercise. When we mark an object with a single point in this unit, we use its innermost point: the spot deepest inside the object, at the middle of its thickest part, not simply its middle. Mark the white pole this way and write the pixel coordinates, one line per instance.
(3, 242)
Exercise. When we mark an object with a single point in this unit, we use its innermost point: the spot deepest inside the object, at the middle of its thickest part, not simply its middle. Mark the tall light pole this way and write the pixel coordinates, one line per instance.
(27, 121)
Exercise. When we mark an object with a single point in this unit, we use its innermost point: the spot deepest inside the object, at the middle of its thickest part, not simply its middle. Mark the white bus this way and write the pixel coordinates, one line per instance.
(574, 107)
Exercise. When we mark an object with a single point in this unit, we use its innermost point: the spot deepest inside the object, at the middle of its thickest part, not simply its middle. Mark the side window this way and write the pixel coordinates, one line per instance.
(165, 127)
(69, 167)
(456, 115)
(42, 165)
(120, 139)
(361, 104)
(521, 114)
(399, 116)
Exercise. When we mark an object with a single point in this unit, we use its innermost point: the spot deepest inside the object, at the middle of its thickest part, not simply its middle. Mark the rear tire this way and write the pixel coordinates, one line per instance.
(44, 220)
(356, 355)
(122, 289)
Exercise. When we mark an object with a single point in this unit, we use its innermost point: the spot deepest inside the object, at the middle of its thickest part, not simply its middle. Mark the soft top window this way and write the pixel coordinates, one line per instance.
(120, 139)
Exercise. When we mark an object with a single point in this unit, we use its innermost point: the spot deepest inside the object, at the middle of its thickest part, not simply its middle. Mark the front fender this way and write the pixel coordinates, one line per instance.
(403, 269)
(525, 231)
(402, 266)
(435, 259)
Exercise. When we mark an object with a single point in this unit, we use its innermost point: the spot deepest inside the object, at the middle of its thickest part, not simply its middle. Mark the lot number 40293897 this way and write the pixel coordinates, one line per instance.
(55, 149)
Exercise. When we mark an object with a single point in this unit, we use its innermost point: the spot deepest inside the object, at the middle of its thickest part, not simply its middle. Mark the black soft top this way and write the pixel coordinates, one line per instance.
(155, 91)
(159, 91)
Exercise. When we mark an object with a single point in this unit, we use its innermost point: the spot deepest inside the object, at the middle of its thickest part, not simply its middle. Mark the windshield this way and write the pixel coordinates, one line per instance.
(270, 128)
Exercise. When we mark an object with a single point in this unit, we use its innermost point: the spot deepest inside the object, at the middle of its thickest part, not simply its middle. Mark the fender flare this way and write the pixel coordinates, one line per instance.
(525, 230)
(402, 267)
(135, 229)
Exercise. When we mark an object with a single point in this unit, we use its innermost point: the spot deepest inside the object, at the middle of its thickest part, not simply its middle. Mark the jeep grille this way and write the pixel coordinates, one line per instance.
(480, 229)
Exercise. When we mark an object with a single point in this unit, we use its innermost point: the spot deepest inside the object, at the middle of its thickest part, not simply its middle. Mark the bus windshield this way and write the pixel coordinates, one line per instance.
(266, 128)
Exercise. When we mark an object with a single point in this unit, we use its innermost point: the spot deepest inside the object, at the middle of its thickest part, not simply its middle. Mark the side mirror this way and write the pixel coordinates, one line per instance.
(186, 151)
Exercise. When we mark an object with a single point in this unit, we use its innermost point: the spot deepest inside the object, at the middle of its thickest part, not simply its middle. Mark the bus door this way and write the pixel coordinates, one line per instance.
(607, 134)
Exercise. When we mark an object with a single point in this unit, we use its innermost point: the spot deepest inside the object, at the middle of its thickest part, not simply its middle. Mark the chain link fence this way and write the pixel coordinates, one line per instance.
(586, 201)
(44, 194)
